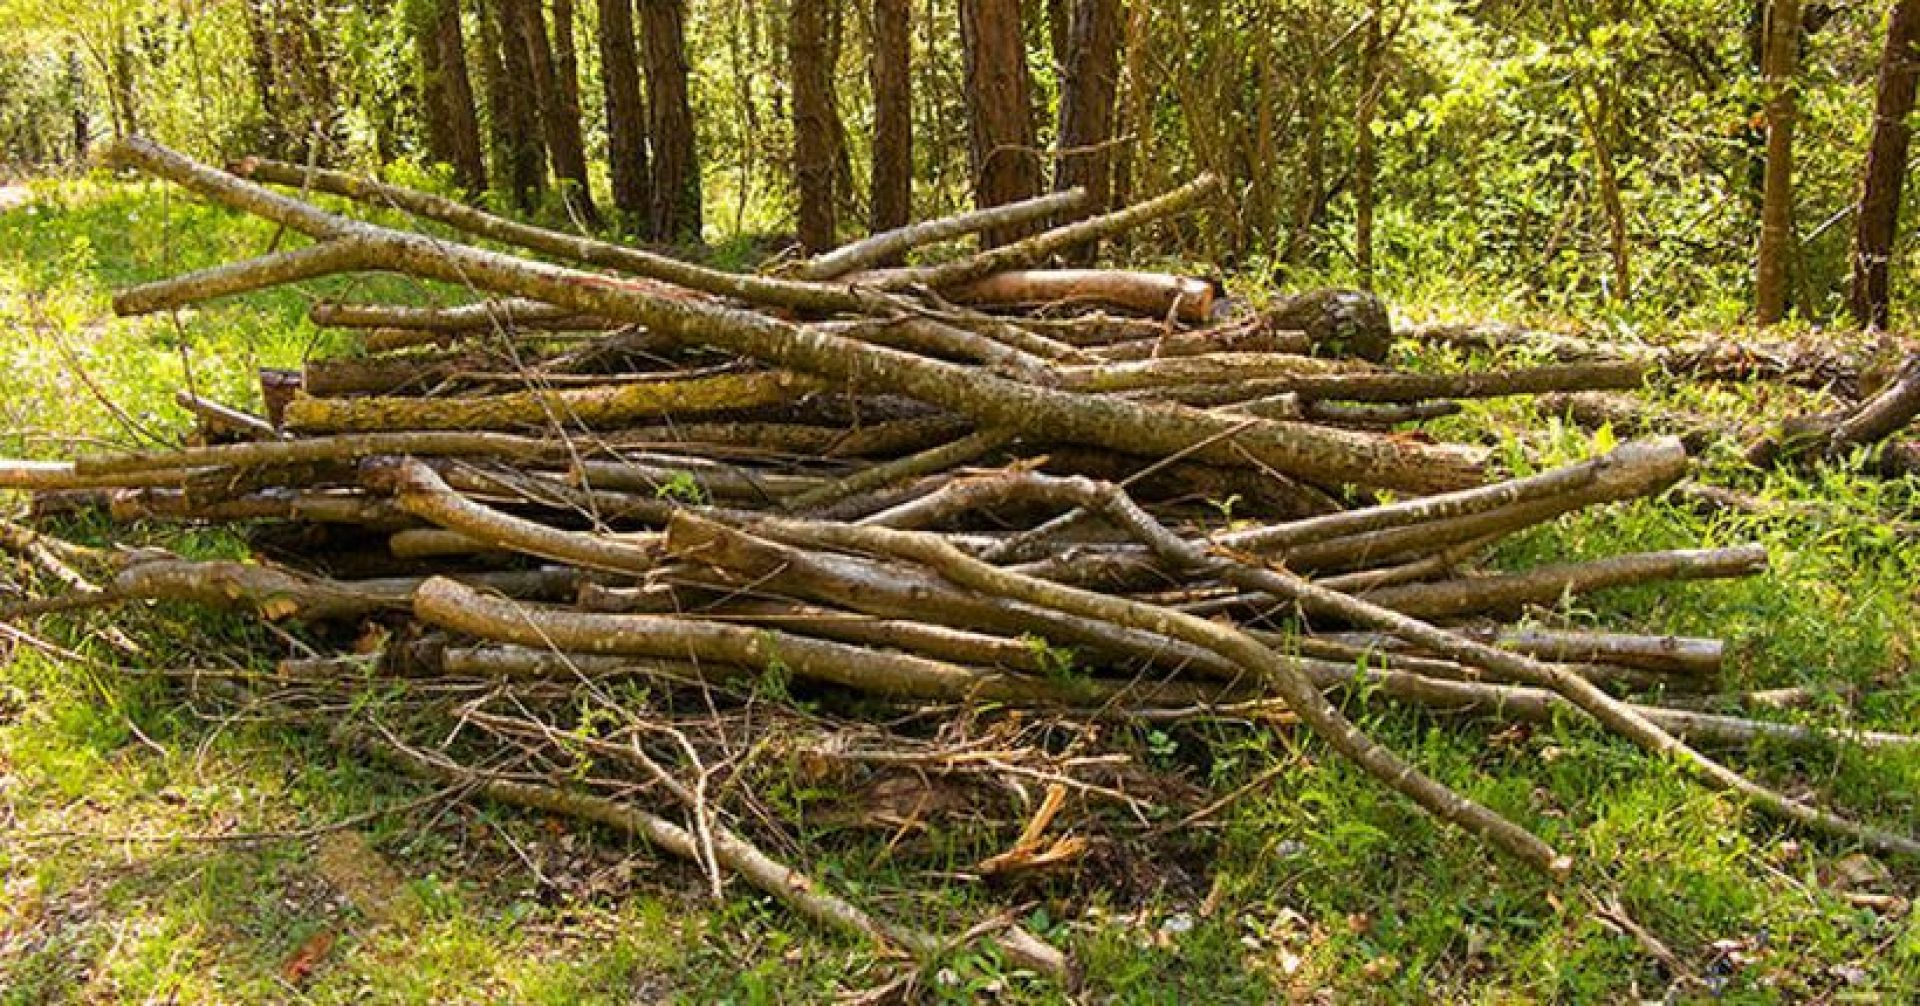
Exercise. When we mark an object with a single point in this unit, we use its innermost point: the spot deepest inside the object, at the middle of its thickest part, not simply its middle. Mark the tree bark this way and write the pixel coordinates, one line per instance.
(77, 97)
(1364, 166)
(626, 111)
(1885, 169)
(1776, 210)
(453, 127)
(813, 153)
(889, 70)
(1595, 121)
(559, 117)
(676, 166)
(1001, 149)
(519, 150)
(1087, 93)
(566, 80)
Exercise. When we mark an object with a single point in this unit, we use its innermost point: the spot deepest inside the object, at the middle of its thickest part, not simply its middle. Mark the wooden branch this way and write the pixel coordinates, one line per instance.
(226, 419)
(485, 315)
(420, 491)
(875, 477)
(1153, 294)
(1214, 368)
(1030, 252)
(890, 245)
(328, 258)
(661, 269)
(1511, 593)
(601, 406)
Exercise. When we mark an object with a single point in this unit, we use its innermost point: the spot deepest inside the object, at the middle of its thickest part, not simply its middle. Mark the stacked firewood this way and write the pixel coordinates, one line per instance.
(582, 540)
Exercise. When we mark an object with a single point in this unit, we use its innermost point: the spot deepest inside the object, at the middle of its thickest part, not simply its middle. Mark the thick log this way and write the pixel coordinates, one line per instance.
(1156, 295)
(1028, 253)
(599, 406)
(487, 315)
(889, 246)
(1511, 593)
(1213, 368)
(1666, 654)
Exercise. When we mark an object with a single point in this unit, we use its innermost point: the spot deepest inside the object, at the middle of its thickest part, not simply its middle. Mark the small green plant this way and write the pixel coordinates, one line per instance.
(775, 681)
(1057, 663)
(681, 487)
(1162, 746)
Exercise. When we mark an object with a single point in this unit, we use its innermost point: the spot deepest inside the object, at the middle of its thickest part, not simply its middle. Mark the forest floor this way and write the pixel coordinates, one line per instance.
(150, 852)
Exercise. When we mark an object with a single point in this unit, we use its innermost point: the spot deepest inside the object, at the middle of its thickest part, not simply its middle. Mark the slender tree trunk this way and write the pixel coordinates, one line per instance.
(270, 138)
(890, 71)
(626, 112)
(1004, 158)
(516, 118)
(566, 80)
(453, 127)
(126, 95)
(556, 91)
(676, 164)
(1776, 210)
(813, 154)
(836, 126)
(1611, 204)
(425, 18)
(1311, 199)
(493, 77)
(1364, 166)
(77, 96)
(1087, 104)
(1886, 168)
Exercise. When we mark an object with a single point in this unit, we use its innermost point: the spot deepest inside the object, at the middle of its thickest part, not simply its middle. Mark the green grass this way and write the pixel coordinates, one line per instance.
(1323, 880)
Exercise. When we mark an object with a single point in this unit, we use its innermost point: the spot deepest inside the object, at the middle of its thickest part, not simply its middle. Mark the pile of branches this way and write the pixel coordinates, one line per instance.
(591, 534)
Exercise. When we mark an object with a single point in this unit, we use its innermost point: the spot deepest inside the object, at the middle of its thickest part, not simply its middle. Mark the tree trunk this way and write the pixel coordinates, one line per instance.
(1609, 186)
(626, 112)
(1002, 145)
(1310, 201)
(558, 101)
(566, 80)
(516, 119)
(453, 127)
(1086, 107)
(269, 139)
(77, 96)
(813, 153)
(1885, 169)
(890, 71)
(1364, 166)
(676, 165)
(1060, 35)
(1776, 210)
(837, 127)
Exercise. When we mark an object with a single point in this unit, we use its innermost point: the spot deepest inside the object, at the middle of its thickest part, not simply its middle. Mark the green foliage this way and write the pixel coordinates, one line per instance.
(682, 487)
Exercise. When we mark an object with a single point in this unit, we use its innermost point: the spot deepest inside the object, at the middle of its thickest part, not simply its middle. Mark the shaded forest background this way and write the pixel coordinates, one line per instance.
(1577, 155)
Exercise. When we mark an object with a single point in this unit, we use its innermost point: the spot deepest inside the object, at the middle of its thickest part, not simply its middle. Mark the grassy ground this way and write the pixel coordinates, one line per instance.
(1321, 887)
